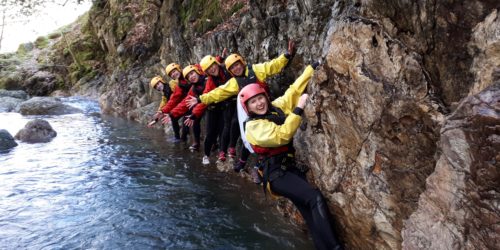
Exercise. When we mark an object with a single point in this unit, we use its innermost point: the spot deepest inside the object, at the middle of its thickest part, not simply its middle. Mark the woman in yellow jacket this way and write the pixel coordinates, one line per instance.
(270, 129)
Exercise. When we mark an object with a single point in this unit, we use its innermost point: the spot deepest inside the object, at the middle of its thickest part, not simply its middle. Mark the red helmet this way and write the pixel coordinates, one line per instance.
(249, 91)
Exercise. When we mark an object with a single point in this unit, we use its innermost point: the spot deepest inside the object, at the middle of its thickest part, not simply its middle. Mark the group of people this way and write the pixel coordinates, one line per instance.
(214, 88)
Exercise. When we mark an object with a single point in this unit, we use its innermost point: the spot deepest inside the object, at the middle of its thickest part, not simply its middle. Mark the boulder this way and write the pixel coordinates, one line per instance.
(46, 106)
(6, 140)
(36, 131)
(460, 207)
(19, 94)
(9, 104)
(42, 83)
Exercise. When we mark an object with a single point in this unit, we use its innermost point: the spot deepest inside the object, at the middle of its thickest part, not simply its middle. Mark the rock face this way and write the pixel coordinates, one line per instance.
(46, 106)
(392, 71)
(459, 208)
(6, 140)
(36, 131)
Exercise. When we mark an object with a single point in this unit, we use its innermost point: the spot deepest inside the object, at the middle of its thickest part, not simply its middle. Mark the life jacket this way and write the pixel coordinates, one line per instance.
(275, 160)
(167, 91)
(184, 85)
(250, 78)
(199, 86)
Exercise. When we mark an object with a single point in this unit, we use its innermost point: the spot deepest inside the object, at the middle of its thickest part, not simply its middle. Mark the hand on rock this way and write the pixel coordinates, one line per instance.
(315, 64)
(302, 101)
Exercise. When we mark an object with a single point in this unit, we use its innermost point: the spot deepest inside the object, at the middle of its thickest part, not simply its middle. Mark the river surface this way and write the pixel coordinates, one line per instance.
(107, 183)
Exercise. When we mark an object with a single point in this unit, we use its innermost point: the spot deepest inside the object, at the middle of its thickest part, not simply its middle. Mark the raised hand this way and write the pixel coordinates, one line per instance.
(191, 101)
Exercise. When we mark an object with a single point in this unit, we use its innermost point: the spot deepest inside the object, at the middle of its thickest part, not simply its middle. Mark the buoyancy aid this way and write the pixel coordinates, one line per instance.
(184, 85)
(167, 91)
(250, 78)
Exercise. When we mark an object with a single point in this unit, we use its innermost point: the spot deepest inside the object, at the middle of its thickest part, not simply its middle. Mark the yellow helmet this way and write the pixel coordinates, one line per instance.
(155, 81)
(171, 67)
(231, 59)
(207, 61)
(190, 68)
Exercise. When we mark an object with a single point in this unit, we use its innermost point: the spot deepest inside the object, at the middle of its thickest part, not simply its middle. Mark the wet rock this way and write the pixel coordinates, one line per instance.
(6, 140)
(19, 94)
(460, 207)
(41, 83)
(46, 106)
(36, 131)
(9, 104)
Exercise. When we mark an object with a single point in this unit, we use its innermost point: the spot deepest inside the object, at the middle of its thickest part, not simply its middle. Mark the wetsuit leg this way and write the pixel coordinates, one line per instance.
(211, 130)
(229, 113)
(234, 133)
(311, 205)
(175, 127)
(185, 130)
(197, 131)
(244, 153)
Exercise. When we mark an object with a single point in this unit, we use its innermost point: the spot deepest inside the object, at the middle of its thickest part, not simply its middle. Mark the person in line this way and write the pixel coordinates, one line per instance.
(215, 124)
(196, 78)
(243, 74)
(270, 129)
(181, 89)
(158, 84)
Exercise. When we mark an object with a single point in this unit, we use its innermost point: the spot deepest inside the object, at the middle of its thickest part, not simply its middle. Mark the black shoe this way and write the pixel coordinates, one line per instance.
(239, 165)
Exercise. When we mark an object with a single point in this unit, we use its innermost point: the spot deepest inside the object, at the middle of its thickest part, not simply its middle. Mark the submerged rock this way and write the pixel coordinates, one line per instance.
(460, 208)
(36, 131)
(8, 104)
(46, 106)
(19, 94)
(6, 140)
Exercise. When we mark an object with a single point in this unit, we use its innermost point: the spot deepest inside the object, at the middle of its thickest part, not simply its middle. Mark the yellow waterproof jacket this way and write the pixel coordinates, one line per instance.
(267, 134)
(164, 99)
(231, 88)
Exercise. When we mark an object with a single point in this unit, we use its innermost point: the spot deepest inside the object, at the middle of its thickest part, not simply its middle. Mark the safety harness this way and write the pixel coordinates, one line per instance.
(276, 161)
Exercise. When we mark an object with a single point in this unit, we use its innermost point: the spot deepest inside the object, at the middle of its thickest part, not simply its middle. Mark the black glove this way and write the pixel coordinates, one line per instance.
(315, 65)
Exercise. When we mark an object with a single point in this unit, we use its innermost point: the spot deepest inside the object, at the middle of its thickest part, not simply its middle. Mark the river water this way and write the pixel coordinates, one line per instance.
(107, 183)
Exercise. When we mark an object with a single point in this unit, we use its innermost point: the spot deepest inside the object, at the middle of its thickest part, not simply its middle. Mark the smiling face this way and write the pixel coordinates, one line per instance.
(159, 86)
(193, 77)
(258, 104)
(175, 74)
(237, 69)
(213, 70)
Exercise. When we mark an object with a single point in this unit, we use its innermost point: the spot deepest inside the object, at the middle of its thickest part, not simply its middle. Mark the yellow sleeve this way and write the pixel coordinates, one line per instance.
(172, 84)
(268, 69)
(163, 102)
(264, 133)
(288, 101)
(221, 93)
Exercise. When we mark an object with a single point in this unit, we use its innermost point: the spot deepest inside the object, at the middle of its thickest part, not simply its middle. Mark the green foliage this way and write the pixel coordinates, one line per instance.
(206, 14)
(42, 42)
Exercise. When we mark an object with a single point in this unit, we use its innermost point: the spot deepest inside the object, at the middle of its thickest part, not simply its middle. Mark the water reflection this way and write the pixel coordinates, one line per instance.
(107, 183)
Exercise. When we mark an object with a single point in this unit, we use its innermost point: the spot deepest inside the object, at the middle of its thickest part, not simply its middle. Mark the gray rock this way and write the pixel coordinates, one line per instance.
(42, 83)
(8, 104)
(19, 94)
(6, 140)
(46, 106)
(460, 206)
(36, 131)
